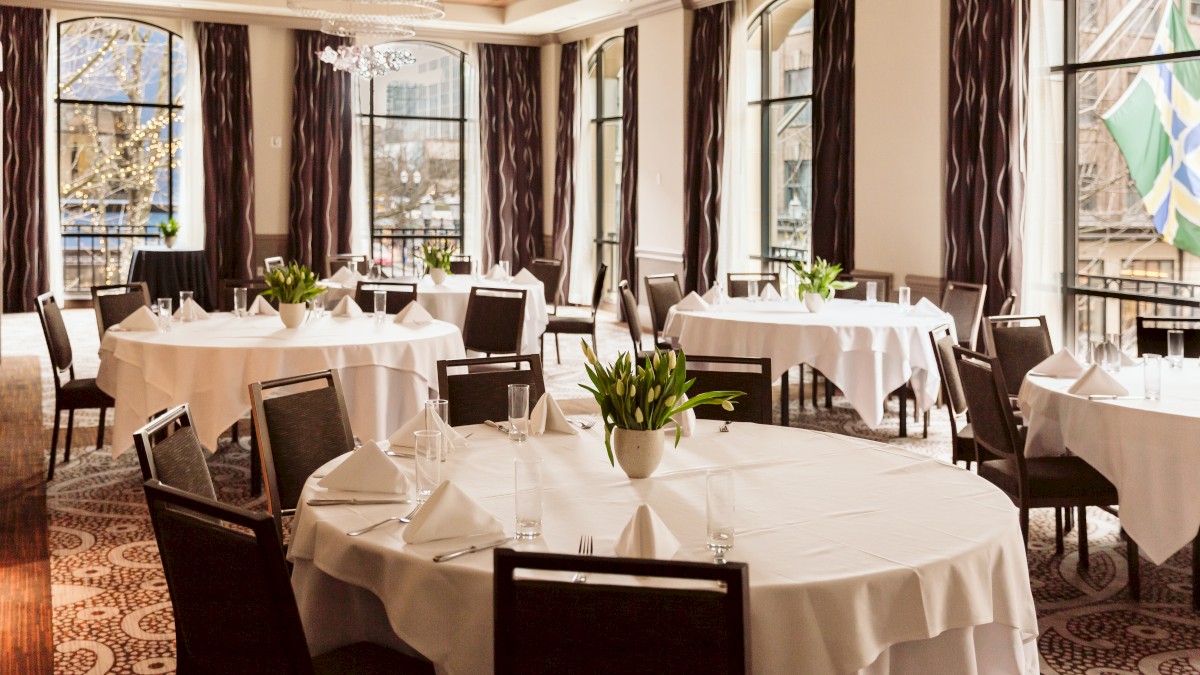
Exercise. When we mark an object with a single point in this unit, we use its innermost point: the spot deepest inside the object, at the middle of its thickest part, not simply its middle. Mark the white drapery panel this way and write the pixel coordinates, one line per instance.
(740, 234)
(54, 250)
(583, 235)
(472, 190)
(360, 202)
(190, 213)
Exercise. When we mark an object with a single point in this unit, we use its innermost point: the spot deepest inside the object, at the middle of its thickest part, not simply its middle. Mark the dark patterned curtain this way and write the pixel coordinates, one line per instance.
(629, 162)
(707, 76)
(511, 144)
(319, 211)
(564, 163)
(987, 46)
(833, 152)
(23, 85)
(228, 151)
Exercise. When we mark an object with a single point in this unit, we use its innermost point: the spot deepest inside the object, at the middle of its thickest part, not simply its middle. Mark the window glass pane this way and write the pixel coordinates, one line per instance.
(114, 60)
(178, 69)
(791, 27)
(1114, 29)
(429, 88)
(754, 63)
(610, 180)
(791, 177)
(612, 62)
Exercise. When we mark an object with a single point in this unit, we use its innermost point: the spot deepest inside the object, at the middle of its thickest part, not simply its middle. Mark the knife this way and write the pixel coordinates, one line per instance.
(333, 502)
(451, 555)
(501, 427)
(1112, 397)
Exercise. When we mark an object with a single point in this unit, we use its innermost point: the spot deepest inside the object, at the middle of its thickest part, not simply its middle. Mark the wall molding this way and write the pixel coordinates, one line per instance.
(667, 255)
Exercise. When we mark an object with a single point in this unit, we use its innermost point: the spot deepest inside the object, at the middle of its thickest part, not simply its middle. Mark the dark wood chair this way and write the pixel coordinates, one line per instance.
(114, 302)
(549, 272)
(481, 393)
(254, 288)
(544, 626)
(1152, 334)
(495, 322)
(883, 285)
(399, 294)
(460, 264)
(1034, 482)
(733, 373)
(964, 303)
(1006, 307)
(1019, 343)
(70, 393)
(739, 282)
(296, 433)
(962, 448)
(577, 325)
(630, 307)
(243, 619)
(339, 260)
(169, 451)
(662, 293)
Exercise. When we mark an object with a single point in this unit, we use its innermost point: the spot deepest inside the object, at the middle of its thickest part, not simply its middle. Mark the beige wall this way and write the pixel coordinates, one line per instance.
(551, 58)
(272, 59)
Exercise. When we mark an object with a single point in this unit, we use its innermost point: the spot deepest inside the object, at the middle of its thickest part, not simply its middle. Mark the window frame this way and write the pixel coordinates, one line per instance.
(598, 121)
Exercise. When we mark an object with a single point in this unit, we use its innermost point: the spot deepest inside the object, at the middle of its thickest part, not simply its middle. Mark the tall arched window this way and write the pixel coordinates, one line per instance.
(413, 125)
(780, 91)
(605, 80)
(120, 117)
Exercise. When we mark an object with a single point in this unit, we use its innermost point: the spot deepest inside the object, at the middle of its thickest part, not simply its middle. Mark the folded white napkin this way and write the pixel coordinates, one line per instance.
(413, 314)
(141, 319)
(191, 311)
(496, 274)
(367, 469)
(345, 277)
(692, 302)
(347, 307)
(925, 307)
(646, 536)
(548, 417)
(450, 513)
(1059, 364)
(525, 277)
(686, 419)
(1097, 381)
(715, 295)
(1127, 360)
(263, 307)
(403, 437)
(768, 292)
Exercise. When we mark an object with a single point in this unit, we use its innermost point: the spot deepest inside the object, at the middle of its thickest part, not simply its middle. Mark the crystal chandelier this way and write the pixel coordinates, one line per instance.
(366, 61)
(378, 19)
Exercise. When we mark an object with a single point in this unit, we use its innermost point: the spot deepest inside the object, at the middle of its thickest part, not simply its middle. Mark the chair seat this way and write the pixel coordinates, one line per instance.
(579, 325)
(364, 657)
(1052, 477)
(83, 393)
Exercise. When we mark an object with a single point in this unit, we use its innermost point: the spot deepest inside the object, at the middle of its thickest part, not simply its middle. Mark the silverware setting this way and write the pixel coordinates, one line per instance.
(451, 555)
(495, 425)
(585, 424)
(356, 502)
(1112, 397)
(585, 548)
(399, 519)
(725, 426)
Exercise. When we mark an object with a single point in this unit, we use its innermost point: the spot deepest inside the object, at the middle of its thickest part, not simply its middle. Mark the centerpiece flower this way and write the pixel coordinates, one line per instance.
(818, 281)
(293, 285)
(437, 260)
(169, 230)
(637, 401)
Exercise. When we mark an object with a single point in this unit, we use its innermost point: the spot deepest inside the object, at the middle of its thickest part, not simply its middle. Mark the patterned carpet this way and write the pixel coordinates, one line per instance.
(112, 610)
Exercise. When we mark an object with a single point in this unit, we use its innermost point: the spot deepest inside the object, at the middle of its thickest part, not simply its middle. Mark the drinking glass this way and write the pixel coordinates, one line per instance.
(506, 267)
(1152, 371)
(518, 412)
(427, 448)
(872, 292)
(184, 296)
(318, 306)
(1112, 354)
(239, 302)
(720, 510)
(376, 271)
(752, 290)
(380, 306)
(164, 314)
(1082, 349)
(438, 409)
(905, 295)
(1175, 348)
(527, 478)
(475, 269)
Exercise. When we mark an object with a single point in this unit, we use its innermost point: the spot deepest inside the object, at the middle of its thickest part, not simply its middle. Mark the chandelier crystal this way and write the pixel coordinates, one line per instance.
(367, 61)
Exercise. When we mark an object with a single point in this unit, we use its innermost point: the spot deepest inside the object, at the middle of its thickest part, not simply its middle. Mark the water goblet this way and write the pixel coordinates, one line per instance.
(527, 479)
(380, 306)
(427, 451)
(518, 412)
(1175, 348)
(719, 509)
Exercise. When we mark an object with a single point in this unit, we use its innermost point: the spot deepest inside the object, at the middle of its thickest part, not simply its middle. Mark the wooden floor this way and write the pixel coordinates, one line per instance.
(25, 607)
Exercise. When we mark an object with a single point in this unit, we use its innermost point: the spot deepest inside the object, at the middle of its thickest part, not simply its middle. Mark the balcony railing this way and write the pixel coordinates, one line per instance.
(1107, 305)
(398, 249)
(100, 258)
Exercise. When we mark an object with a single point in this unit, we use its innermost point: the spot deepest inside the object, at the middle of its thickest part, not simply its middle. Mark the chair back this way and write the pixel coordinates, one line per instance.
(732, 373)
(943, 343)
(739, 282)
(170, 452)
(1019, 343)
(1152, 334)
(254, 288)
(549, 272)
(544, 626)
(1010, 301)
(483, 395)
(460, 264)
(992, 417)
(630, 307)
(58, 341)
(598, 288)
(883, 285)
(297, 432)
(339, 260)
(114, 302)
(662, 293)
(234, 609)
(399, 294)
(275, 262)
(964, 303)
(495, 320)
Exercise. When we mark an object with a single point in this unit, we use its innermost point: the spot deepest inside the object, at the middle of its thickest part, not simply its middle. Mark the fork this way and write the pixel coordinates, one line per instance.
(585, 424)
(725, 426)
(402, 519)
(585, 548)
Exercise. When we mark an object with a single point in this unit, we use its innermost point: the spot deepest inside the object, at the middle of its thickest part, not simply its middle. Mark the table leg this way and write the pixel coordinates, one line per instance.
(783, 397)
(1133, 562)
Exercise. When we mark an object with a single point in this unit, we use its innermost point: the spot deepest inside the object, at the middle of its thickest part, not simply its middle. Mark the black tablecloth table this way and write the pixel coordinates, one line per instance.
(167, 271)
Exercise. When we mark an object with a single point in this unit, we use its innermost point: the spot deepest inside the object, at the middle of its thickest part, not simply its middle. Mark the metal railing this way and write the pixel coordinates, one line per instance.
(1110, 305)
(398, 249)
(101, 257)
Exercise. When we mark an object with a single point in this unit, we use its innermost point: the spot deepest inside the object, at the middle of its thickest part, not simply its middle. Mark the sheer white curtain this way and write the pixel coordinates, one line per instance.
(472, 191)
(54, 251)
(583, 233)
(738, 234)
(190, 212)
(360, 202)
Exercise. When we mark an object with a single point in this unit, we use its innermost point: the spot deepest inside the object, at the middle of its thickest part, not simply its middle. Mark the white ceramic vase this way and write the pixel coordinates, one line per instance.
(814, 302)
(438, 276)
(292, 313)
(638, 451)
(169, 241)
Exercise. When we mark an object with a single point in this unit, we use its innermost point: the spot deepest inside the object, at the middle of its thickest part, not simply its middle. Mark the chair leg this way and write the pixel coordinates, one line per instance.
(784, 404)
(558, 349)
(54, 444)
(925, 431)
(1083, 539)
(903, 412)
(828, 394)
(1058, 530)
(1134, 562)
(1024, 519)
(70, 429)
(100, 433)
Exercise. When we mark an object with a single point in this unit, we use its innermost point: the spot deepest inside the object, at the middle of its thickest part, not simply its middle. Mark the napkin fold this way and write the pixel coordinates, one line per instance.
(525, 277)
(345, 277)
(347, 307)
(547, 416)
(686, 419)
(496, 274)
(1097, 381)
(646, 536)
(414, 315)
(1059, 364)
(262, 306)
(367, 469)
(925, 307)
(768, 292)
(715, 295)
(692, 302)
(449, 513)
(403, 437)
(141, 319)
(191, 311)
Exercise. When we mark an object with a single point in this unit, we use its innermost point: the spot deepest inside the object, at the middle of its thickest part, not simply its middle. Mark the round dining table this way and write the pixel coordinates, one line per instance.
(862, 557)
(868, 350)
(387, 370)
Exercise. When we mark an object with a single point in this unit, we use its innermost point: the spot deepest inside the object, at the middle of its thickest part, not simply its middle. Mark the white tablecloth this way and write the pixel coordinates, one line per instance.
(868, 351)
(862, 556)
(1146, 448)
(387, 370)
(448, 302)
